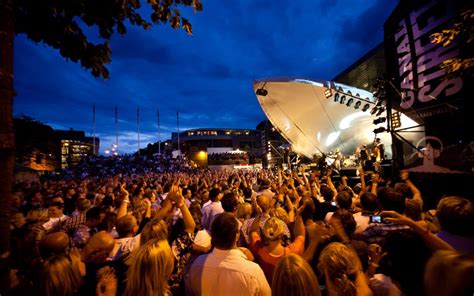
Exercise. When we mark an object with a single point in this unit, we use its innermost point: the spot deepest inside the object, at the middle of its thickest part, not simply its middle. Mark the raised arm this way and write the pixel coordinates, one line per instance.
(434, 242)
(363, 187)
(404, 176)
(122, 211)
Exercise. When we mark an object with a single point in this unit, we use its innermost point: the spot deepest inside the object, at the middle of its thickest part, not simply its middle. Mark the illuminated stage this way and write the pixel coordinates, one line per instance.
(317, 121)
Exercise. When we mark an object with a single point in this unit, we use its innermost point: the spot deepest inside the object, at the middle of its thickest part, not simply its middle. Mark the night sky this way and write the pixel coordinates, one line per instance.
(207, 77)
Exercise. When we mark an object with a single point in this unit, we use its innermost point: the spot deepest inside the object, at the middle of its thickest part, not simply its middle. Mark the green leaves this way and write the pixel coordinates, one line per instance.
(55, 23)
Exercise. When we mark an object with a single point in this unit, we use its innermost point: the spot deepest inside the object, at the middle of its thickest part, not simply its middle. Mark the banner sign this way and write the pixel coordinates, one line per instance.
(425, 92)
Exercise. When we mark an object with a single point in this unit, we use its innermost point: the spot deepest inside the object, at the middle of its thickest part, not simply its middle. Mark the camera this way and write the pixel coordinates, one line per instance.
(333, 203)
(375, 219)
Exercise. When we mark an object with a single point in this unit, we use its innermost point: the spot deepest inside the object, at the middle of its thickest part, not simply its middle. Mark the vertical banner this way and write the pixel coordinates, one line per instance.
(425, 91)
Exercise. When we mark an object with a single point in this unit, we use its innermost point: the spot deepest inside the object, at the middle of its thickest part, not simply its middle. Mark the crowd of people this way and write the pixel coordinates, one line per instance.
(153, 226)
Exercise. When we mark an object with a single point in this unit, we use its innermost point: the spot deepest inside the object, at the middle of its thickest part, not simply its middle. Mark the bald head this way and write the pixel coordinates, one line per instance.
(54, 244)
(101, 240)
(263, 202)
(98, 247)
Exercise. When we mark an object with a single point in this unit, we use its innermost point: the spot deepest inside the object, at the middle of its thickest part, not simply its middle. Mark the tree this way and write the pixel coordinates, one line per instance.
(58, 24)
(463, 33)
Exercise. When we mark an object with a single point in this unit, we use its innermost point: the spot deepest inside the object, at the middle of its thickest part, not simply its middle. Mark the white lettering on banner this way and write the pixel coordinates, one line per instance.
(432, 22)
(428, 59)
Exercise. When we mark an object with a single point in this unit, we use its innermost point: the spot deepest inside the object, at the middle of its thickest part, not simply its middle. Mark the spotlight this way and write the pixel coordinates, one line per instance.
(396, 123)
(349, 102)
(336, 97)
(261, 92)
(343, 100)
(379, 130)
(380, 120)
(328, 93)
(357, 105)
(381, 110)
(374, 110)
(366, 107)
(349, 92)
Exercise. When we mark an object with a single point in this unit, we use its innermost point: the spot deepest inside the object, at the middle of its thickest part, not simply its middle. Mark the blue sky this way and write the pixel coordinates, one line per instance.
(207, 77)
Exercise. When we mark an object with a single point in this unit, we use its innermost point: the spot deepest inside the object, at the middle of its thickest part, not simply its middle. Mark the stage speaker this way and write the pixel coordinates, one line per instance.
(349, 172)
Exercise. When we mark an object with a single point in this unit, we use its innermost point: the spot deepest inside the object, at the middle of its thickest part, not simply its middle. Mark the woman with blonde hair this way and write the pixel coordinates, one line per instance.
(343, 271)
(294, 276)
(156, 229)
(449, 273)
(61, 274)
(150, 269)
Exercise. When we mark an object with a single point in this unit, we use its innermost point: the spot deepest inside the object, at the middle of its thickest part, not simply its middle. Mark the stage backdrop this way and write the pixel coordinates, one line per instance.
(424, 91)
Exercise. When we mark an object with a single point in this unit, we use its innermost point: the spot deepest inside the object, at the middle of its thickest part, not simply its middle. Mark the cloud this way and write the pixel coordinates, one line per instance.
(207, 77)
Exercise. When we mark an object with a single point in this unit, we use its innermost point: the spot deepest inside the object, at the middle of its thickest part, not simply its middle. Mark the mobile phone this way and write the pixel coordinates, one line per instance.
(375, 219)
(333, 203)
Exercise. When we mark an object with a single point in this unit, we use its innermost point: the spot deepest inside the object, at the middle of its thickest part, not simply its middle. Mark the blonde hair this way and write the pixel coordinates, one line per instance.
(37, 215)
(156, 229)
(244, 211)
(150, 269)
(341, 266)
(273, 229)
(281, 214)
(449, 271)
(294, 276)
(60, 275)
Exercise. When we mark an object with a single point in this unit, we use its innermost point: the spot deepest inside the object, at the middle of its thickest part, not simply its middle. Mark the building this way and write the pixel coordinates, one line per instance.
(75, 146)
(274, 147)
(36, 145)
(364, 72)
(197, 144)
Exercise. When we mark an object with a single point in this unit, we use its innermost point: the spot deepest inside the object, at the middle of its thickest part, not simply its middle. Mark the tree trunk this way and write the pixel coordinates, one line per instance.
(7, 137)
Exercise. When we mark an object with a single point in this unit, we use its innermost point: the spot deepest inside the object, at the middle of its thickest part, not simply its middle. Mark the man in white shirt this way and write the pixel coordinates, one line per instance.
(56, 216)
(226, 270)
(127, 242)
(213, 209)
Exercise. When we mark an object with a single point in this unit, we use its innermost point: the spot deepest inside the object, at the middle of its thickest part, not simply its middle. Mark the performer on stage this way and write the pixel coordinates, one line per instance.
(364, 155)
(378, 153)
(338, 159)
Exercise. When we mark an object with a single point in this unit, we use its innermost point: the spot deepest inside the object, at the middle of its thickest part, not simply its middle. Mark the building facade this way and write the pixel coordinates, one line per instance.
(197, 144)
(74, 146)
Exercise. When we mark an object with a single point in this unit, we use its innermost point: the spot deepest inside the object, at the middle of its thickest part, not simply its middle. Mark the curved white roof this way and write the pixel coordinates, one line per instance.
(314, 123)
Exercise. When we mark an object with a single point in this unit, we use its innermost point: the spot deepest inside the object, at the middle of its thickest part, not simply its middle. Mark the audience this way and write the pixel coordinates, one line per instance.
(185, 231)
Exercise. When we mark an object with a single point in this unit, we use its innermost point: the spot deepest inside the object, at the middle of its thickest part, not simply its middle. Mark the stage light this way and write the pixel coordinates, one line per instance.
(374, 110)
(357, 105)
(366, 107)
(396, 123)
(349, 102)
(380, 120)
(261, 92)
(357, 95)
(379, 130)
(381, 110)
(336, 97)
(349, 92)
(328, 93)
(343, 100)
